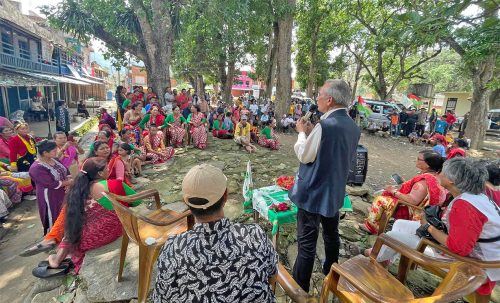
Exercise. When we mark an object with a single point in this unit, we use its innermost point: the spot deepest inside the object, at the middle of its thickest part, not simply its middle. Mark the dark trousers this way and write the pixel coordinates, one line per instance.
(307, 236)
(420, 129)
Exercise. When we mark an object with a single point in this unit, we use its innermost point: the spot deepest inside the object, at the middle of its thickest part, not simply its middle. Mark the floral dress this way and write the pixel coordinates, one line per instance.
(197, 130)
(156, 143)
(175, 129)
(268, 138)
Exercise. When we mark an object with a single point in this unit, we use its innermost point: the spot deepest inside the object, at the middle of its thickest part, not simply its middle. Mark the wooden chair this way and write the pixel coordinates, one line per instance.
(362, 279)
(157, 225)
(387, 214)
(424, 243)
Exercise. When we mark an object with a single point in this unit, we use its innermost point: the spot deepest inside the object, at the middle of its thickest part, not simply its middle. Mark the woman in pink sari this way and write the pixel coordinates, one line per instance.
(155, 148)
(198, 129)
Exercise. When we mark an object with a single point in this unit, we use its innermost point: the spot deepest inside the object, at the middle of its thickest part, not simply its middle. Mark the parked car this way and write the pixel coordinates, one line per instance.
(381, 111)
(494, 119)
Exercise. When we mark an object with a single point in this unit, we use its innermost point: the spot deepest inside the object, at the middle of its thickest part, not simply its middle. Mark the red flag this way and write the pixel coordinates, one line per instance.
(361, 100)
(412, 96)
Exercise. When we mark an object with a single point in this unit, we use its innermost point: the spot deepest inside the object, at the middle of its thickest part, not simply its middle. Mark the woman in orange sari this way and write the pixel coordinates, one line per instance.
(414, 192)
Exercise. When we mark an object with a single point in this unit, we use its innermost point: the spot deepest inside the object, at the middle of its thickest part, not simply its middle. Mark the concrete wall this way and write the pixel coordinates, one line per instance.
(463, 104)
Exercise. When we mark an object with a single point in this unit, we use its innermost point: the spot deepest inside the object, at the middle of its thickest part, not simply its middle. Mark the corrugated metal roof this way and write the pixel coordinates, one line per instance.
(10, 79)
(58, 79)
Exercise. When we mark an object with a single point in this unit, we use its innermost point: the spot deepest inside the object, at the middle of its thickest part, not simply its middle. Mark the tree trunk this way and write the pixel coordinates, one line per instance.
(158, 41)
(357, 75)
(380, 84)
(200, 86)
(227, 86)
(476, 126)
(311, 79)
(284, 62)
(272, 58)
(495, 99)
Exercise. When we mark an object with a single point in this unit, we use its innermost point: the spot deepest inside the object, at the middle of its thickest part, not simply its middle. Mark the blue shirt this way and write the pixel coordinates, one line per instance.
(440, 126)
(440, 150)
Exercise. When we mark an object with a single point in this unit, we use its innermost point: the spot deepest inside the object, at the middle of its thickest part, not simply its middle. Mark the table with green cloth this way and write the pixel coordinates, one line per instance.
(264, 197)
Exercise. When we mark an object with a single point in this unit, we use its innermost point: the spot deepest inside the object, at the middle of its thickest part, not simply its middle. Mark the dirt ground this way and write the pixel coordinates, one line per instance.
(386, 157)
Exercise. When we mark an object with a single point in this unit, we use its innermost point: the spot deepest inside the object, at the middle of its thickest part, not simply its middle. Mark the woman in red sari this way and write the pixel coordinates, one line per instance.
(22, 149)
(153, 117)
(414, 192)
(155, 148)
(118, 167)
(198, 129)
(151, 94)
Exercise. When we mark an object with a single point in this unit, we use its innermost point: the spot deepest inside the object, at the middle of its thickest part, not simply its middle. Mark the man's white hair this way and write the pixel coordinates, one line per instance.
(340, 91)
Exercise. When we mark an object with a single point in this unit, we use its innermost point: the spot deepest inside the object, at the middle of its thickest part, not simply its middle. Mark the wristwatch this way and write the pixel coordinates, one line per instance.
(426, 226)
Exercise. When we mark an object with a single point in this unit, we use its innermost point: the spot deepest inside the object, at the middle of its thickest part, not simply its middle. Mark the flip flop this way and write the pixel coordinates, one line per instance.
(38, 248)
(65, 261)
(45, 272)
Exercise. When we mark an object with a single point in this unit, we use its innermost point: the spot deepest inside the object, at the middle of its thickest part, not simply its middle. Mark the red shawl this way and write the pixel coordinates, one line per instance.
(112, 172)
(433, 188)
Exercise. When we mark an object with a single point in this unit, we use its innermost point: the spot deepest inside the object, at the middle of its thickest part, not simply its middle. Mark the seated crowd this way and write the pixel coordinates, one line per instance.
(218, 260)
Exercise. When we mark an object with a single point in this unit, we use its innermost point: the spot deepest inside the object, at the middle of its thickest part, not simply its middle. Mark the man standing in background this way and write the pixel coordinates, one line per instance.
(421, 120)
(325, 152)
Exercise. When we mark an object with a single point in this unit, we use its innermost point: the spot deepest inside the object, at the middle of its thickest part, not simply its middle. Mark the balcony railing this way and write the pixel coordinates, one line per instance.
(25, 64)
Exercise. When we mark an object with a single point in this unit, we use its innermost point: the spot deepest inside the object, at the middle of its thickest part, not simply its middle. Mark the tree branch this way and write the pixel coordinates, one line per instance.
(137, 50)
(360, 60)
(454, 44)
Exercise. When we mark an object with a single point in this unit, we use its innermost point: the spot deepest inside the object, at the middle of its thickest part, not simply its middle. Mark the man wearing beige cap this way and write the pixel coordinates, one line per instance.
(217, 261)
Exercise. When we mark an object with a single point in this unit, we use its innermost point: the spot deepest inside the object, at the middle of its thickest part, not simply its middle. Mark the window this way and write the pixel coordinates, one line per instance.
(24, 49)
(451, 104)
(7, 47)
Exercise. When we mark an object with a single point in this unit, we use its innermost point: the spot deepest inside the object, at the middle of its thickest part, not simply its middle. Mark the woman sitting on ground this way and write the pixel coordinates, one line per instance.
(491, 187)
(88, 225)
(119, 165)
(155, 148)
(197, 127)
(101, 150)
(472, 221)
(22, 149)
(219, 129)
(132, 119)
(153, 117)
(107, 119)
(103, 136)
(424, 185)
(457, 149)
(175, 127)
(56, 234)
(439, 144)
(268, 137)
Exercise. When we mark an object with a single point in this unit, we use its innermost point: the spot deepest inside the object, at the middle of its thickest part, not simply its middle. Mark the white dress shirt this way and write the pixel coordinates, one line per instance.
(306, 148)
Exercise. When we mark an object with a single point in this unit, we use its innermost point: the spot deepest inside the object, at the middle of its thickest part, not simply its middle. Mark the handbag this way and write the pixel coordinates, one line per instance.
(432, 214)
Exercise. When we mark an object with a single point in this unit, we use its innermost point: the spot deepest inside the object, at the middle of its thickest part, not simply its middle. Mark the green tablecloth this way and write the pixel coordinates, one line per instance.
(264, 197)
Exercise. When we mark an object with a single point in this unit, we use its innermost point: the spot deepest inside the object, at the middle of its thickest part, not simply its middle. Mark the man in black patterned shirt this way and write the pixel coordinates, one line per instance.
(217, 261)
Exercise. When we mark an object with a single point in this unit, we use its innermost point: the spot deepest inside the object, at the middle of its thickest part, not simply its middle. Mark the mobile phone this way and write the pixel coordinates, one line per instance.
(397, 178)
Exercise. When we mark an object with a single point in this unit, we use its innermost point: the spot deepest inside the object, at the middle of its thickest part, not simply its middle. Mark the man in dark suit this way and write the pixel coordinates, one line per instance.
(325, 152)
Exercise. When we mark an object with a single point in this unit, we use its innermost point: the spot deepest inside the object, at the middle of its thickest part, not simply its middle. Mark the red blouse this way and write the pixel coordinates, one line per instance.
(17, 148)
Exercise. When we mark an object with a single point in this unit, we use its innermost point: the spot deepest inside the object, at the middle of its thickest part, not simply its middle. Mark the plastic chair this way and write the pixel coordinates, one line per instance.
(363, 279)
(155, 228)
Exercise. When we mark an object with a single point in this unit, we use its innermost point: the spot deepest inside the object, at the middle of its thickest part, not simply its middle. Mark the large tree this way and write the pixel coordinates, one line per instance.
(284, 55)
(381, 28)
(475, 38)
(144, 29)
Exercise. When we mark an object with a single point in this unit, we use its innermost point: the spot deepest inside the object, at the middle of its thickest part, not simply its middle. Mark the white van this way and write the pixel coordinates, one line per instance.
(381, 109)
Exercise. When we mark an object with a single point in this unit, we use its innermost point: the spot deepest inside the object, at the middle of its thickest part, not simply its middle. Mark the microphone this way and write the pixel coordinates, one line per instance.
(308, 115)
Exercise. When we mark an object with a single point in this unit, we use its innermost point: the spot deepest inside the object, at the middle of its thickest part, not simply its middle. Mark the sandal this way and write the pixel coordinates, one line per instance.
(38, 248)
(65, 261)
(45, 272)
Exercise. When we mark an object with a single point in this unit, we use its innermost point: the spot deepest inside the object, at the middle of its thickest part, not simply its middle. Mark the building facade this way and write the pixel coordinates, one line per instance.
(38, 61)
